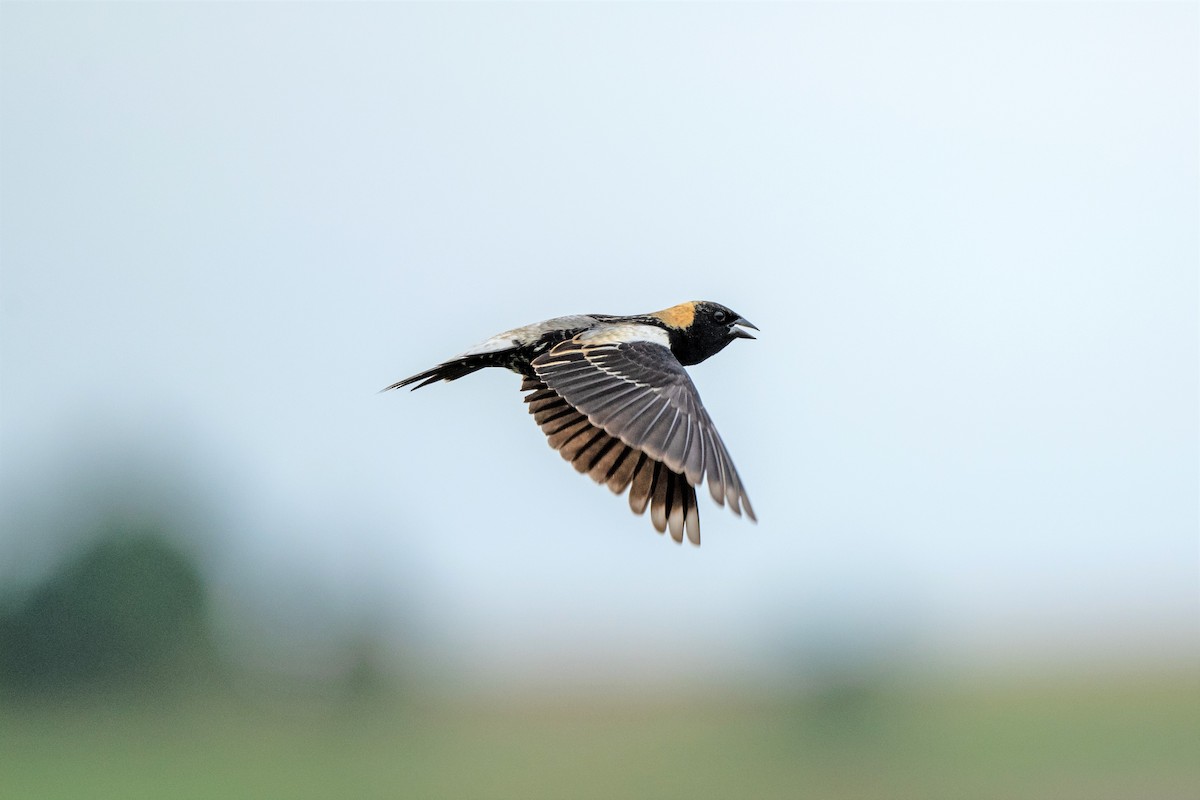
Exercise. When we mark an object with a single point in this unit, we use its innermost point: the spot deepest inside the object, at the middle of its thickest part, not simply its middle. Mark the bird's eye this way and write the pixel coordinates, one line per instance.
(719, 316)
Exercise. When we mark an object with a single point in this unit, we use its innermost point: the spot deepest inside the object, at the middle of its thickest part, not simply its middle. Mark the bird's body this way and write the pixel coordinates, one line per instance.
(611, 394)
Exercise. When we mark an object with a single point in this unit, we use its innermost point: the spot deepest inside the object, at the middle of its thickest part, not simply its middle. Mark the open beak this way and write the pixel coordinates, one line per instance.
(738, 333)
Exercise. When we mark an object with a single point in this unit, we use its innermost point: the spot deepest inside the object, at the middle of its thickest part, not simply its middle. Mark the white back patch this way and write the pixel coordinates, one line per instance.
(519, 337)
(626, 332)
(503, 341)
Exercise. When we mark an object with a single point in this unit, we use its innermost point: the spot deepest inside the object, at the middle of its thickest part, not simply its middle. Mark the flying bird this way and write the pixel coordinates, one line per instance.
(611, 394)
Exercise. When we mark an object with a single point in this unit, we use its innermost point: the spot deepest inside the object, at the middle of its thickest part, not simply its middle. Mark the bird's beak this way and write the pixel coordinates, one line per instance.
(738, 333)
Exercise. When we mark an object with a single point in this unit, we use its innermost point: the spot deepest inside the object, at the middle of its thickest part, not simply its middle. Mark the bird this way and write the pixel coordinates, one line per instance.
(613, 397)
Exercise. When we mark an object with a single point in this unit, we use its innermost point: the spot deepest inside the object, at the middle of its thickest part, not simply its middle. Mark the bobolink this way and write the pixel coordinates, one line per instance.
(613, 398)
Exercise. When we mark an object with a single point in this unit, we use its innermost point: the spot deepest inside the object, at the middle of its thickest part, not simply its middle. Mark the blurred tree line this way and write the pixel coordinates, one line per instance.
(111, 586)
(129, 612)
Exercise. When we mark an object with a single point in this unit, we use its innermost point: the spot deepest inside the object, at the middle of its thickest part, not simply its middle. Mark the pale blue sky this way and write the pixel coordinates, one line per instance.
(968, 233)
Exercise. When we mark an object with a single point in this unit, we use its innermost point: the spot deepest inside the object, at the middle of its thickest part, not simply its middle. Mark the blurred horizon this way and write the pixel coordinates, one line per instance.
(276, 605)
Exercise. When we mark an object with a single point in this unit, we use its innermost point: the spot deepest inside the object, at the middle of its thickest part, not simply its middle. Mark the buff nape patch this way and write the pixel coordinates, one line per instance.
(680, 316)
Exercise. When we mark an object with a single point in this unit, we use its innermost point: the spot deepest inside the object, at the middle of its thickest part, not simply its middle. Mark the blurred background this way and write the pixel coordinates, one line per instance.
(230, 567)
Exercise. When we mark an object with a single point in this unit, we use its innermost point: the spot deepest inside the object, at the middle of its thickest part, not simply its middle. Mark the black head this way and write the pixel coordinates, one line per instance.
(702, 329)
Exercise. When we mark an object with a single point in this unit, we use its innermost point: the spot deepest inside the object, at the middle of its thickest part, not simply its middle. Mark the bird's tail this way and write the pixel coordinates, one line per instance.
(450, 370)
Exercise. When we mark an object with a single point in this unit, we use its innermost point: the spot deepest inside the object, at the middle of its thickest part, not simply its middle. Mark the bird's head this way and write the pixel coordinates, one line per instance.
(700, 329)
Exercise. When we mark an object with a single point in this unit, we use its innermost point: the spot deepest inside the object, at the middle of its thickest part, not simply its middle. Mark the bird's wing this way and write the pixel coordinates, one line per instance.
(626, 381)
(608, 460)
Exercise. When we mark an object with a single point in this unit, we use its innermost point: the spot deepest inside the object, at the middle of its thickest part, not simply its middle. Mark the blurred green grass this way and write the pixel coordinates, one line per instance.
(1130, 737)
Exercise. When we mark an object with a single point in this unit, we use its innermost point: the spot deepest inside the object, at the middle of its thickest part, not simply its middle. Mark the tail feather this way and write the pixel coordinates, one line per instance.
(446, 371)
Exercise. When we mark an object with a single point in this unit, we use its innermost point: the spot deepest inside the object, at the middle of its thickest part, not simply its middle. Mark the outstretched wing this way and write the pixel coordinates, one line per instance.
(610, 461)
(626, 382)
